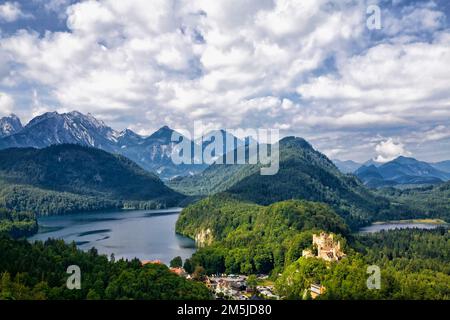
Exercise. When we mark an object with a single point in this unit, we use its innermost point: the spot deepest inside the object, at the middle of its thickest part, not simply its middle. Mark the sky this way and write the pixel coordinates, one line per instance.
(311, 68)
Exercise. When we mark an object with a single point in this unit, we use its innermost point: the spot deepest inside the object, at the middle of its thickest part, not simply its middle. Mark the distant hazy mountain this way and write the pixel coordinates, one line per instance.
(10, 125)
(411, 166)
(372, 162)
(304, 174)
(226, 138)
(152, 153)
(443, 166)
(372, 177)
(347, 166)
(401, 171)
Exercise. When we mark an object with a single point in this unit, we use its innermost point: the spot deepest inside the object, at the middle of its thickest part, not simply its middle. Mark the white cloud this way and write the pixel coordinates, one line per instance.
(417, 18)
(388, 150)
(438, 133)
(56, 5)
(358, 119)
(390, 83)
(6, 104)
(333, 153)
(174, 62)
(38, 107)
(11, 11)
(241, 63)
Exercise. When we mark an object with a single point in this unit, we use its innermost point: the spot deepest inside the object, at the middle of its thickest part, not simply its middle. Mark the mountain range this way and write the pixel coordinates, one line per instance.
(401, 171)
(152, 153)
(347, 166)
(77, 154)
(304, 174)
(443, 165)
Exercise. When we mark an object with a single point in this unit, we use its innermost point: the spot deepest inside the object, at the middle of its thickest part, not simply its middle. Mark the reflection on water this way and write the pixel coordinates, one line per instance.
(147, 235)
(399, 225)
(83, 220)
(80, 243)
(87, 233)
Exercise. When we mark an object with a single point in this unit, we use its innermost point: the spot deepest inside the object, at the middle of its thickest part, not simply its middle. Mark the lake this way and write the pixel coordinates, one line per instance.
(147, 235)
(399, 225)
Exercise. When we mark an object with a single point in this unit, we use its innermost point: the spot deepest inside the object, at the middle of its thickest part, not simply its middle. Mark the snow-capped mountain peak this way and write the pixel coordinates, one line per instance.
(10, 125)
(55, 128)
(152, 153)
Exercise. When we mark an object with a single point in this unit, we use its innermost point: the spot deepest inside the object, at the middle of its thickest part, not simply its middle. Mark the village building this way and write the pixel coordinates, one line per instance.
(230, 286)
(267, 292)
(235, 287)
(316, 290)
(179, 271)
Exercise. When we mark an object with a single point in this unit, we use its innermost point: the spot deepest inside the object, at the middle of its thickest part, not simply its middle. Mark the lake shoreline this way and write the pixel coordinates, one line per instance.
(424, 221)
(142, 234)
(422, 224)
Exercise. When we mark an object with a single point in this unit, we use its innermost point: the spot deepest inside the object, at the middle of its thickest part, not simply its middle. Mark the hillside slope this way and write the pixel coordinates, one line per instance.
(424, 202)
(84, 171)
(242, 237)
(304, 174)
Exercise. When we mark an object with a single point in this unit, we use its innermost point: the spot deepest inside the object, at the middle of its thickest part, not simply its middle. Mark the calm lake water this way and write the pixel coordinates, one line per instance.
(398, 225)
(147, 235)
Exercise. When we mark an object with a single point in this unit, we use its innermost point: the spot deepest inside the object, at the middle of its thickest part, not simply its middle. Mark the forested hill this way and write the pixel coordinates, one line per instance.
(425, 202)
(243, 237)
(17, 224)
(304, 174)
(79, 171)
(224, 215)
(38, 271)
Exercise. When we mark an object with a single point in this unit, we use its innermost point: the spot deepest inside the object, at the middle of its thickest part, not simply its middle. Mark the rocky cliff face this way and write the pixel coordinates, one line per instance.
(68, 128)
(204, 238)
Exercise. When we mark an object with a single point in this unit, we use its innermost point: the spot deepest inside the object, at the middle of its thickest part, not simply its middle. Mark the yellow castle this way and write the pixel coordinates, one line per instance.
(327, 248)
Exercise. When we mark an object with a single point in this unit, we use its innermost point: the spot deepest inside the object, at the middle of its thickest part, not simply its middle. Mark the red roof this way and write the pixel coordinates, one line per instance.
(178, 271)
(145, 262)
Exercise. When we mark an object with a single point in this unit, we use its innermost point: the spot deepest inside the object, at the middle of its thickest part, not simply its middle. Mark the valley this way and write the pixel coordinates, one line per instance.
(101, 207)
(256, 150)
(401, 172)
